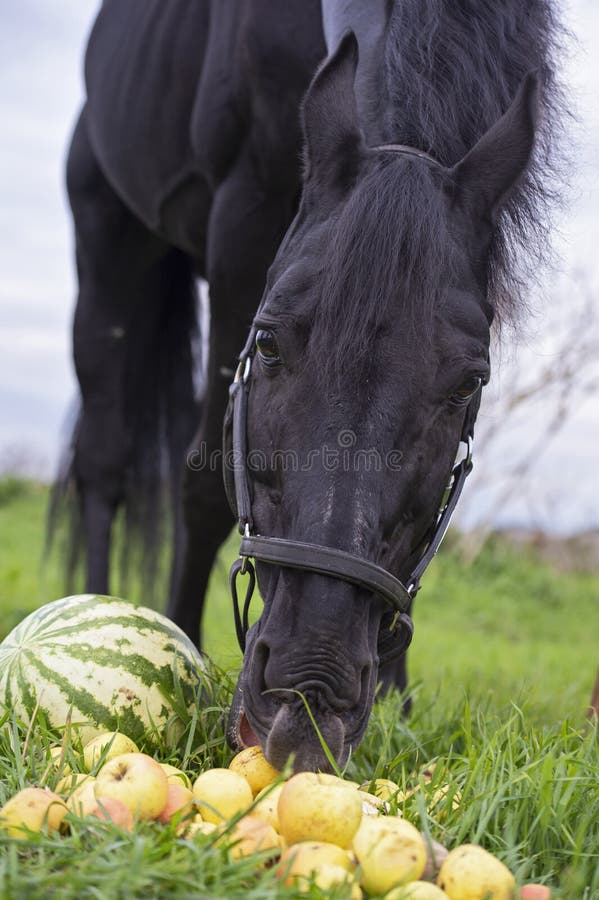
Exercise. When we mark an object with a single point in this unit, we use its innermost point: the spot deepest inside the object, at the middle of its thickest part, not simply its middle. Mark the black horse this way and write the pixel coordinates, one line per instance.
(378, 262)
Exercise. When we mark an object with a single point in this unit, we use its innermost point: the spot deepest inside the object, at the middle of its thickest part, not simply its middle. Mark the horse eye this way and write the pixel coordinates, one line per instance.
(267, 347)
(466, 390)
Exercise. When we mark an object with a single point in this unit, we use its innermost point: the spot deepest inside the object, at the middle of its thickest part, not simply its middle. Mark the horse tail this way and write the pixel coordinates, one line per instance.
(160, 394)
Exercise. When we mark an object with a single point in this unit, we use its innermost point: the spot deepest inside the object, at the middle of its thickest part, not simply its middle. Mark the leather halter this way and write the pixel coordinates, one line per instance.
(323, 560)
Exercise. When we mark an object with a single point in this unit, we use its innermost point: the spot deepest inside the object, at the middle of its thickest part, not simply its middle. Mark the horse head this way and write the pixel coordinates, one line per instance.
(370, 350)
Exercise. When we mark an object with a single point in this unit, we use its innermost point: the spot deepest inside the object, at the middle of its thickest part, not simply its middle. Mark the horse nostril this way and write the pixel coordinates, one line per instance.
(260, 662)
(365, 681)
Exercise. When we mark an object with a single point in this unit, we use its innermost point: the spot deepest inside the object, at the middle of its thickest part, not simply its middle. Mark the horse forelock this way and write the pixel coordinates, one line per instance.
(390, 254)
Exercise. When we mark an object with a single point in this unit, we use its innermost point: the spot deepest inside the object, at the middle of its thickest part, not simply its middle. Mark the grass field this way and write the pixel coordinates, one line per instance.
(502, 668)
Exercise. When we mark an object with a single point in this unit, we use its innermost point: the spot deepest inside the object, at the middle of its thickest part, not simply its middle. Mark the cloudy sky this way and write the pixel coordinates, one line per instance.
(41, 50)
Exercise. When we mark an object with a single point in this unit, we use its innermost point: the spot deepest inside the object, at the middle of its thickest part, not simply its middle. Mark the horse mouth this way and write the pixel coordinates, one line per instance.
(240, 733)
(246, 736)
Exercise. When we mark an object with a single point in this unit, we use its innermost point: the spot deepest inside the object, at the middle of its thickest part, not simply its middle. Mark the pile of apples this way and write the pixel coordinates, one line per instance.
(316, 829)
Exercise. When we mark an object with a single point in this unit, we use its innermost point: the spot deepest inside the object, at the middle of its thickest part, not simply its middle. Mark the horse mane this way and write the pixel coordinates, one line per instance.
(450, 70)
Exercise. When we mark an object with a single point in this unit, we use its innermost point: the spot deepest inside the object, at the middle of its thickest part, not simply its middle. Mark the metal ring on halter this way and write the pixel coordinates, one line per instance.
(239, 567)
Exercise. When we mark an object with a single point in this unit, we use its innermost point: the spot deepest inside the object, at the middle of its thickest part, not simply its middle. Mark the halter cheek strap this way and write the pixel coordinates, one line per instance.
(317, 558)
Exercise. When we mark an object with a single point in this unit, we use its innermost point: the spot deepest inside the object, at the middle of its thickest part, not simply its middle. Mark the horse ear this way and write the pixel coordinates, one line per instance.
(333, 140)
(486, 176)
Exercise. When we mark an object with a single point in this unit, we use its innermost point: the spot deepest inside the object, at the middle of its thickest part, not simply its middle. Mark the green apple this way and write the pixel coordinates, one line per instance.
(137, 780)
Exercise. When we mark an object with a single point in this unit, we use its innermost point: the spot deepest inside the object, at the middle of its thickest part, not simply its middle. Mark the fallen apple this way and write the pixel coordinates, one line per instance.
(383, 788)
(436, 854)
(179, 802)
(175, 775)
(417, 890)
(109, 809)
(257, 771)
(313, 808)
(372, 805)
(69, 784)
(328, 778)
(390, 852)
(137, 780)
(83, 798)
(220, 794)
(253, 835)
(305, 859)
(31, 810)
(267, 802)
(58, 760)
(105, 747)
(330, 877)
(535, 892)
(198, 826)
(471, 873)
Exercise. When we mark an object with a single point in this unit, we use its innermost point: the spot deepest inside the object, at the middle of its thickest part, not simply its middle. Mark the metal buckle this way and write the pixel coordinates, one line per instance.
(242, 558)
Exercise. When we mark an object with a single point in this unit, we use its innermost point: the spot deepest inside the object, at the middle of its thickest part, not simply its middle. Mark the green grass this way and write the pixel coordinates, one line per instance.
(502, 668)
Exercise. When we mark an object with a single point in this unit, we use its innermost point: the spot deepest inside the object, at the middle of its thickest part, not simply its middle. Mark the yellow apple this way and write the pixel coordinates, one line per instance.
(198, 826)
(372, 805)
(303, 860)
(390, 852)
(417, 890)
(176, 776)
(83, 799)
(471, 873)
(311, 808)
(58, 760)
(253, 835)
(438, 801)
(221, 794)
(257, 771)
(179, 801)
(329, 877)
(328, 778)
(105, 747)
(69, 784)
(109, 809)
(383, 788)
(137, 780)
(266, 807)
(32, 809)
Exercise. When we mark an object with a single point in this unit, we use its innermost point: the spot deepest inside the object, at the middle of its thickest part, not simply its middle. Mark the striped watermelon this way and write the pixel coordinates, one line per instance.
(105, 661)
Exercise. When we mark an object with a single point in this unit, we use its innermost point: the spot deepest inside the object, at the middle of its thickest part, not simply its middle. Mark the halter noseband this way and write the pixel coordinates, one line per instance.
(323, 560)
